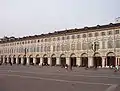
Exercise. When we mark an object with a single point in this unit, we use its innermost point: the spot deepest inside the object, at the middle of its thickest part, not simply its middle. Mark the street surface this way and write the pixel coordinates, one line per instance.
(35, 78)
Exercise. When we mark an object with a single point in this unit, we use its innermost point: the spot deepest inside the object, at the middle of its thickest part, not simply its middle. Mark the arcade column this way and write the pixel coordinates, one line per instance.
(78, 61)
(103, 62)
(68, 61)
(34, 60)
(90, 61)
(57, 61)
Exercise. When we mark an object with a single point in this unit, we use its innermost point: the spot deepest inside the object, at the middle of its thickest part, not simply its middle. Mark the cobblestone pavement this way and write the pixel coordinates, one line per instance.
(35, 78)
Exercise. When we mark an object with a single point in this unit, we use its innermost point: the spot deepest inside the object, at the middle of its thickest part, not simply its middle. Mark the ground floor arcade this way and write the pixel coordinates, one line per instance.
(83, 61)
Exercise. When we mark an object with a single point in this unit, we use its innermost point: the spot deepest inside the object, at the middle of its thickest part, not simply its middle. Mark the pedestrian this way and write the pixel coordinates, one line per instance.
(66, 66)
(116, 68)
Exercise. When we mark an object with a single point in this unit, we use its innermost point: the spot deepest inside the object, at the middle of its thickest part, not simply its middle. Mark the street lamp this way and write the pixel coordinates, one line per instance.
(95, 46)
(25, 50)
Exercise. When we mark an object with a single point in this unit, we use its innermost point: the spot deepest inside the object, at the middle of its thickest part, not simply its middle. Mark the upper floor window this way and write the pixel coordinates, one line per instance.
(96, 34)
(38, 41)
(22, 42)
(17, 43)
(90, 34)
(68, 37)
(54, 39)
(78, 36)
(41, 40)
(117, 42)
(84, 35)
(110, 43)
(73, 36)
(117, 31)
(28, 42)
(58, 38)
(102, 33)
(63, 38)
(31, 41)
(109, 32)
(45, 40)
(34, 41)
(25, 42)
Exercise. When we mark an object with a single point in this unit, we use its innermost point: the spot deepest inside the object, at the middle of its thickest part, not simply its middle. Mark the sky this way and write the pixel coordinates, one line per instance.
(34, 17)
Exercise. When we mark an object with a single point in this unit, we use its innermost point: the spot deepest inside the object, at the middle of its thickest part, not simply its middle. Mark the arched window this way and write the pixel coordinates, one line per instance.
(67, 47)
(62, 47)
(41, 48)
(78, 45)
(58, 47)
(117, 42)
(48, 48)
(37, 48)
(68, 37)
(84, 35)
(53, 48)
(103, 44)
(73, 36)
(110, 43)
(90, 45)
(90, 34)
(73, 46)
(84, 46)
(45, 48)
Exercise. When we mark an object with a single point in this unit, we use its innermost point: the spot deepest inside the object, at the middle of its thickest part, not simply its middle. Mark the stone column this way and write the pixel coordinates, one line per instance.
(28, 61)
(90, 61)
(41, 61)
(8, 59)
(34, 60)
(12, 59)
(17, 61)
(116, 61)
(78, 60)
(3, 59)
(103, 62)
(68, 61)
(22, 60)
(49, 61)
(57, 61)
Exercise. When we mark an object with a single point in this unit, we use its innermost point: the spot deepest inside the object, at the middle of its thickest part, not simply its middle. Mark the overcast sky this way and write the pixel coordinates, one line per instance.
(33, 17)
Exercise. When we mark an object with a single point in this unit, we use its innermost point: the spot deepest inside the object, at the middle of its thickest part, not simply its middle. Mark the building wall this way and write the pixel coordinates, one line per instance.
(69, 44)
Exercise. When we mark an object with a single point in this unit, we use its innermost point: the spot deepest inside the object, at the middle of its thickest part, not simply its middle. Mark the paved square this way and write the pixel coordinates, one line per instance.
(35, 78)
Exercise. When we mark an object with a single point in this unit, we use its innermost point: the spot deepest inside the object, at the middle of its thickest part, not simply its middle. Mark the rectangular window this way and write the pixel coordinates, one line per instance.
(117, 31)
(102, 33)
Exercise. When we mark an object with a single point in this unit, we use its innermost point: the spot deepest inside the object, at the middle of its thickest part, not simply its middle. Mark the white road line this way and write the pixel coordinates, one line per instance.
(114, 77)
(112, 87)
(58, 80)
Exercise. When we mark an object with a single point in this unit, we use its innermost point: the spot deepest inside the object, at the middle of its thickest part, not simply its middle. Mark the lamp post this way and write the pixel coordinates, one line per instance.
(95, 48)
(24, 62)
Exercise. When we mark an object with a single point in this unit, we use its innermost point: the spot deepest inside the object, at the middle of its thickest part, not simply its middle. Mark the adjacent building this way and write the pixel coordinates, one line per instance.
(96, 46)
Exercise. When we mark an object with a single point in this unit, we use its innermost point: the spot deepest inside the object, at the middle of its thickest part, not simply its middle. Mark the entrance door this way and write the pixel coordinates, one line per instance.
(19, 60)
(73, 61)
(111, 61)
(10, 60)
(53, 61)
(45, 61)
(97, 61)
(24, 61)
(14, 60)
(63, 61)
(84, 61)
(31, 61)
(37, 61)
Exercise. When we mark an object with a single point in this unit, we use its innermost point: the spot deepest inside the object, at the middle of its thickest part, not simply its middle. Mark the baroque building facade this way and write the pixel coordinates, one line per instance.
(89, 46)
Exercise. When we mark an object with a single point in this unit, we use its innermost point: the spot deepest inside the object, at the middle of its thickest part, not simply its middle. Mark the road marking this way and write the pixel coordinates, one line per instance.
(58, 80)
(112, 87)
(115, 77)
